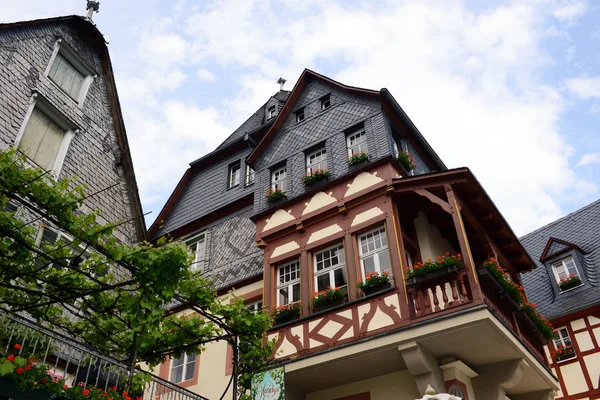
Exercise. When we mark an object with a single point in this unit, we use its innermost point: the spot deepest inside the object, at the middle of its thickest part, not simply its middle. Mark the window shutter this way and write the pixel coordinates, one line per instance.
(41, 139)
(66, 76)
(207, 235)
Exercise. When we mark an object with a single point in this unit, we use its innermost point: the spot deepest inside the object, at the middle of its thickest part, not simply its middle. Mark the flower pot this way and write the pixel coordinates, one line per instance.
(566, 355)
(376, 288)
(331, 304)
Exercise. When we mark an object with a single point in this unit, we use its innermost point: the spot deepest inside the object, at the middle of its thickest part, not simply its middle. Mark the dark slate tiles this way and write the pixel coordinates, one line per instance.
(582, 228)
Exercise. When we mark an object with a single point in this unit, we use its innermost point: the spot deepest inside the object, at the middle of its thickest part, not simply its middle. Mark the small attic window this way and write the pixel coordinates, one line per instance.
(271, 112)
(566, 274)
(325, 102)
(300, 115)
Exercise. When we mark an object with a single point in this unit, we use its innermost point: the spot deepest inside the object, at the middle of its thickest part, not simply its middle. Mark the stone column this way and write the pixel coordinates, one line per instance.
(423, 366)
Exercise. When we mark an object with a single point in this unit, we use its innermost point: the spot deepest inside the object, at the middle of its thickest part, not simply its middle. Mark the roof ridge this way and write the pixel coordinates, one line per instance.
(561, 219)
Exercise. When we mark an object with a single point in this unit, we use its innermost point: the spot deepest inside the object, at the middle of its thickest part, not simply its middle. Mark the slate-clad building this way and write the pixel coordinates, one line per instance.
(323, 187)
(565, 287)
(59, 105)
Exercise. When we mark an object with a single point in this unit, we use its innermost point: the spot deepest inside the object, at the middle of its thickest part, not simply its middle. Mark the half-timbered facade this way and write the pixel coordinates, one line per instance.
(565, 288)
(343, 185)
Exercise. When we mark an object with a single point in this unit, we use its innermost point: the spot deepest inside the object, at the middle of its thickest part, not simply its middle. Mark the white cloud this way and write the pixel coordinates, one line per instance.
(585, 88)
(587, 159)
(205, 75)
(570, 10)
(468, 80)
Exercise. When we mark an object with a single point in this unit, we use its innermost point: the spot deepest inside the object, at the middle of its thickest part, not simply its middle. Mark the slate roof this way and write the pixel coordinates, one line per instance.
(255, 121)
(581, 228)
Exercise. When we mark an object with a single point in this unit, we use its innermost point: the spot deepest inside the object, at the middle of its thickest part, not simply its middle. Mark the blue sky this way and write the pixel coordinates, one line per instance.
(509, 89)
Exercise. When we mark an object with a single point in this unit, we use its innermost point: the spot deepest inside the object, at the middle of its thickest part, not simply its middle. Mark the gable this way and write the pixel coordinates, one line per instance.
(556, 247)
(346, 110)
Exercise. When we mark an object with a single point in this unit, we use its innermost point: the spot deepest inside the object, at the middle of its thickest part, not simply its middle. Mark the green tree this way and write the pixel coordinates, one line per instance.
(120, 293)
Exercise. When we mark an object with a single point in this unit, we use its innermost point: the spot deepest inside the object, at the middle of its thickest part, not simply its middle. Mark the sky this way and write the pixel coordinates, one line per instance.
(509, 89)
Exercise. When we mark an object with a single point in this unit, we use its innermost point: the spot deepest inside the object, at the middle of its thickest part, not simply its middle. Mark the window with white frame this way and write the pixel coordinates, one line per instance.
(43, 140)
(255, 306)
(357, 142)
(278, 179)
(51, 236)
(197, 245)
(330, 268)
(234, 175)
(182, 368)
(325, 102)
(373, 250)
(396, 148)
(288, 283)
(316, 160)
(250, 174)
(271, 111)
(300, 115)
(69, 72)
(564, 269)
(562, 338)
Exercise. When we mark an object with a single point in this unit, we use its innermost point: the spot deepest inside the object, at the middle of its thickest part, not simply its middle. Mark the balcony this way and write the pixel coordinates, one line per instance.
(73, 363)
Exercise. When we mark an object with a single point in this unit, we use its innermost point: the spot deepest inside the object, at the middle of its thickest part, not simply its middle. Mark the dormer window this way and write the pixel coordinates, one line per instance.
(357, 142)
(250, 174)
(300, 115)
(566, 274)
(317, 160)
(271, 112)
(325, 102)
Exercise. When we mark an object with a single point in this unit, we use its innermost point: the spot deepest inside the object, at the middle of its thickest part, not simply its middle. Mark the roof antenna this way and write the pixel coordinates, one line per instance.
(92, 7)
(281, 82)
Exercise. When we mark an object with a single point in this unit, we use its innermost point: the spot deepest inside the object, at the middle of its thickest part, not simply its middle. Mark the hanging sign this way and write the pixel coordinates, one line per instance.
(269, 385)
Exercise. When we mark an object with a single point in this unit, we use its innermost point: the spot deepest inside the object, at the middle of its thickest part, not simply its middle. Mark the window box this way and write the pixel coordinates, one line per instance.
(328, 298)
(536, 322)
(374, 283)
(569, 282)
(315, 176)
(444, 264)
(497, 276)
(286, 313)
(357, 158)
(565, 352)
(274, 194)
(10, 391)
(487, 276)
(406, 161)
(433, 276)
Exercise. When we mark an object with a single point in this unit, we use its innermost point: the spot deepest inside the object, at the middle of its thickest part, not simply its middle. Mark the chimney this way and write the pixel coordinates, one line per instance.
(92, 7)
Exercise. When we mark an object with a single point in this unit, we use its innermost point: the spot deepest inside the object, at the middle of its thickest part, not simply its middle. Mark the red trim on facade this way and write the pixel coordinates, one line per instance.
(461, 385)
(166, 366)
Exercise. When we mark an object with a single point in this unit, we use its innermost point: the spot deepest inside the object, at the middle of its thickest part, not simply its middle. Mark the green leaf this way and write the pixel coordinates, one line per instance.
(6, 368)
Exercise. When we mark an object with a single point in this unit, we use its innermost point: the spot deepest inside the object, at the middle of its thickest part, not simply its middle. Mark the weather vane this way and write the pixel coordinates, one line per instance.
(281, 82)
(92, 7)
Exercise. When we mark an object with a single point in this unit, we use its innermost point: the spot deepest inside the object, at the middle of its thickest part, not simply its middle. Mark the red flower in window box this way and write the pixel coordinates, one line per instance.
(274, 195)
(406, 160)
(357, 158)
(286, 313)
(570, 282)
(315, 176)
(565, 352)
(375, 282)
(328, 298)
(441, 263)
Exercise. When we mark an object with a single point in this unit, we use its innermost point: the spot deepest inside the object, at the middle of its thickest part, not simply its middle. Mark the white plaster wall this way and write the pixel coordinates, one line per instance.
(431, 242)
(394, 386)
(573, 379)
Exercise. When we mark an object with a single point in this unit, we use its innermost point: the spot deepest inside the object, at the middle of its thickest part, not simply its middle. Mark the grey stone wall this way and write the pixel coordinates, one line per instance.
(93, 155)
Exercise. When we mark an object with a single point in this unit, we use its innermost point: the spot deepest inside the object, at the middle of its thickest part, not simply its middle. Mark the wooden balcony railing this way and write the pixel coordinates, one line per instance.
(76, 363)
(438, 291)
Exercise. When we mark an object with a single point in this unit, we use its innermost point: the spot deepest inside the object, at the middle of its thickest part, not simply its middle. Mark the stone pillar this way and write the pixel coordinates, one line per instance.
(423, 366)
(494, 379)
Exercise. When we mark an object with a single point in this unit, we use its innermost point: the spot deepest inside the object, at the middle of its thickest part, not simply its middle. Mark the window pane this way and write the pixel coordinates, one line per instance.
(66, 76)
(284, 297)
(570, 264)
(368, 264)
(384, 261)
(177, 374)
(190, 366)
(296, 292)
(323, 282)
(339, 275)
